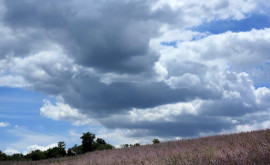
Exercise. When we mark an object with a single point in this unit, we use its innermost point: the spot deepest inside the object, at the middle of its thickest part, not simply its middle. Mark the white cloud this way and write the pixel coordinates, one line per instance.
(11, 151)
(165, 112)
(187, 80)
(42, 66)
(217, 53)
(62, 111)
(4, 124)
(13, 81)
(37, 147)
(194, 12)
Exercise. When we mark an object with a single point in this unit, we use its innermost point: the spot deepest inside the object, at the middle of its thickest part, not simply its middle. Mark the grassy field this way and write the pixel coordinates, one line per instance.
(242, 148)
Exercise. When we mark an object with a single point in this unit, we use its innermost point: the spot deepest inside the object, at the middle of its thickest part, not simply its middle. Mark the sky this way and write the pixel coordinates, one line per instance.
(130, 71)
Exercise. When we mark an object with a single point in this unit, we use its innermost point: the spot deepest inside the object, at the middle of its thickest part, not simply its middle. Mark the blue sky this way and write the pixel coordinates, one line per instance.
(131, 71)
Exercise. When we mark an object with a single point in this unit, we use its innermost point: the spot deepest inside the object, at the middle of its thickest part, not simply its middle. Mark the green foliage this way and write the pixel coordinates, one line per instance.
(3, 156)
(75, 150)
(16, 157)
(100, 144)
(130, 145)
(105, 147)
(88, 142)
(58, 151)
(61, 149)
(155, 141)
(136, 144)
(37, 155)
(100, 141)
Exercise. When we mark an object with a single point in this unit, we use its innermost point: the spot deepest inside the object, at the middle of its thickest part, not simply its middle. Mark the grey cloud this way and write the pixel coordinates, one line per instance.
(232, 107)
(95, 98)
(42, 14)
(113, 38)
(239, 107)
(184, 126)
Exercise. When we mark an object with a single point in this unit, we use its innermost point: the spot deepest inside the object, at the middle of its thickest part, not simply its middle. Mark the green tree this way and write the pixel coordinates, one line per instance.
(124, 145)
(155, 141)
(136, 144)
(3, 156)
(16, 157)
(61, 149)
(88, 142)
(100, 144)
(75, 150)
(36, 155)
(58, 151)
(100, 141)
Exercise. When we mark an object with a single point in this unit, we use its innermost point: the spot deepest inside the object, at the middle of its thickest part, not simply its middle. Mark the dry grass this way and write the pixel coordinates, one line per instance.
(243, 148)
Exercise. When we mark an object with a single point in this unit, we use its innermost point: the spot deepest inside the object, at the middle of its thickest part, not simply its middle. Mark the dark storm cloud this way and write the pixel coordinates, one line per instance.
(232, 107)
(183, 126)
(95, 98)
(112, 36)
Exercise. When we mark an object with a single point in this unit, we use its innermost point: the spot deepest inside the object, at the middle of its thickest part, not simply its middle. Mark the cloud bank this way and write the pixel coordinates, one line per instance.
(107, 63)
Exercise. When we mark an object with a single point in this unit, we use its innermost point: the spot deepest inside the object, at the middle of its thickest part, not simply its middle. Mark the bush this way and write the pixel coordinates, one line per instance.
(58, 151)
(36, 155)
(75, 150)
(155, 141)
(3, 156)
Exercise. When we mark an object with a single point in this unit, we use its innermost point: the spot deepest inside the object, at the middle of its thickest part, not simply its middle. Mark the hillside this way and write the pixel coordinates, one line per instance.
(242, 148)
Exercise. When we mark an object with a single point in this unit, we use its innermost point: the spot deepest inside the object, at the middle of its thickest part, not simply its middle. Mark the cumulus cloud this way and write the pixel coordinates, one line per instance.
(215, 9)
(11, 151)
(138, 65)
(62, 111)
(37, 147)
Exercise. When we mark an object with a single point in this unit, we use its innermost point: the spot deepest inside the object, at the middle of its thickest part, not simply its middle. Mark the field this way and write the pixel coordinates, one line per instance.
(242, 148)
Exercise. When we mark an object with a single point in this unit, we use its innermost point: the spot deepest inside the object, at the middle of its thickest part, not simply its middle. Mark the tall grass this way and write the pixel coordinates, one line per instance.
(243, 148)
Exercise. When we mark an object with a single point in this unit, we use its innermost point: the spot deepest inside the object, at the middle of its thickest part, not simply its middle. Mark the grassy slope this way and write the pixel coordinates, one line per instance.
(243, 148)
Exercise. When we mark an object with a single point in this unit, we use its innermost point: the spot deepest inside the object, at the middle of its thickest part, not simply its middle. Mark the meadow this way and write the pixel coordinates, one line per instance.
(241, 148)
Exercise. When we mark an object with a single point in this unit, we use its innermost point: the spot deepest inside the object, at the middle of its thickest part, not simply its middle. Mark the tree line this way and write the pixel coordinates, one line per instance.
(89, 144)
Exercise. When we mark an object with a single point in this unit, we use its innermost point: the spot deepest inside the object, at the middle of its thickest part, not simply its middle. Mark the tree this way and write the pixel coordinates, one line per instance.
(16, 157)
(100, 141)
(61, 148)
(155, 141)
(105, 147)
(56, 152)
(36, 155)
(136, 144)
(3, 156)
(100, 144)
(88, 142)
(75, 150)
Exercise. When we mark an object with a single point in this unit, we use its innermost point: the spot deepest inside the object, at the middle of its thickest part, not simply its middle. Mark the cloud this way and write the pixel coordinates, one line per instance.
(4, 124)
(214, 9)
(107, 63)
(220, 53)
(37, 147)
(10, 151)
(62, 111)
